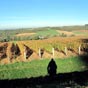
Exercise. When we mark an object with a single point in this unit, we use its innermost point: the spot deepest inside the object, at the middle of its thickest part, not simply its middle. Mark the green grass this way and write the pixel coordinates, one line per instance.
(48, 32)
(37, 68)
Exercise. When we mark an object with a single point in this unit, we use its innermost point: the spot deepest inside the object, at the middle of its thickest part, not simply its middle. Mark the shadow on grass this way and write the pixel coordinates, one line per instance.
(60, 80)
(84, 59)
(64, 80)
(84, 40)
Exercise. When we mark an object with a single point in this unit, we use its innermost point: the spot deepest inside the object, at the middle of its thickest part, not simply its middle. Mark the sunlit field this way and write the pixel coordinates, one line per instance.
(38, 68)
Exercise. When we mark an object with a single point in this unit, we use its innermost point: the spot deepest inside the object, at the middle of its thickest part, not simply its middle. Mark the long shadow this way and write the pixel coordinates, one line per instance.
(60, 80)
(84, 59)
(84, 40)
(29, 51)
(52, 68)
(65, 79)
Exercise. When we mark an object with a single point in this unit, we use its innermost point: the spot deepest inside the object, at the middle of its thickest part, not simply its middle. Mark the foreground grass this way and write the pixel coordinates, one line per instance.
(37, 68)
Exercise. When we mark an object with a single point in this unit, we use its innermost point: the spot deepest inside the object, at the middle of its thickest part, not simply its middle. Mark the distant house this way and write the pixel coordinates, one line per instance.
(41, 37)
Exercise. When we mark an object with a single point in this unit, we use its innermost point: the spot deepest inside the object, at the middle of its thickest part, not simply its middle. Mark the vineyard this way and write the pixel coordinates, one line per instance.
(56, 47)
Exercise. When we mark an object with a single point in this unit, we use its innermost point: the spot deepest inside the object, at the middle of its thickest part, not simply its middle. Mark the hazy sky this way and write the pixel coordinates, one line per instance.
(34, 13)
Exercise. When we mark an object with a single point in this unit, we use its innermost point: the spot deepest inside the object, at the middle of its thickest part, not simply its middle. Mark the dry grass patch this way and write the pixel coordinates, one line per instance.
(25, 34)
(65, 32)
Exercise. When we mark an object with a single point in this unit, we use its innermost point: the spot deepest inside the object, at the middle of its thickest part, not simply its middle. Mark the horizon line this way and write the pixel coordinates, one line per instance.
(40, 27)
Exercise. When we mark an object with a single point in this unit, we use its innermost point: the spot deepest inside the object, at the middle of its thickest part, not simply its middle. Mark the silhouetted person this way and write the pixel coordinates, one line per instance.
(52, 68)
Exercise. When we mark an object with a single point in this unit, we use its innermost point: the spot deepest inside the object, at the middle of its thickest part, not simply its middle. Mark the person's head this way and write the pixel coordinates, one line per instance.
(52, 59)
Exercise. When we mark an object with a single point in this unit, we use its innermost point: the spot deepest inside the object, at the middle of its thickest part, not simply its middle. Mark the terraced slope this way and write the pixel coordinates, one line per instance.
(40, 49)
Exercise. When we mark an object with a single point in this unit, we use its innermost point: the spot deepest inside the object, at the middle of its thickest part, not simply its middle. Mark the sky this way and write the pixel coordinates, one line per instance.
(39, 13)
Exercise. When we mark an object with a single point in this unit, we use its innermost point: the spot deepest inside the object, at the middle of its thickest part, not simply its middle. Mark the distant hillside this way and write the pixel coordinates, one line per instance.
(46, 32)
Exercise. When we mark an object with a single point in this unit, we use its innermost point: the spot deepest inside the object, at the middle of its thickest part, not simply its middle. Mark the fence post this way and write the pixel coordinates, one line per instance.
(66, 50)
(79, 50)
(53, 52)
(39, 52)
(24, 53)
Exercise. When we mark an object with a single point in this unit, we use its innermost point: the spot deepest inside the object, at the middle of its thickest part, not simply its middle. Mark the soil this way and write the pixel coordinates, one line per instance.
(31, 54)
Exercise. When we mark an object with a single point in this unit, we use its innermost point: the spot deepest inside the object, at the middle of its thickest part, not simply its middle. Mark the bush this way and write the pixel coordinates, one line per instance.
(63, 35)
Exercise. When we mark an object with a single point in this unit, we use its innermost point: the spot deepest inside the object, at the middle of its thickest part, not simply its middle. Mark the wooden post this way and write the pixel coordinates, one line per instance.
(79, 50)
(39, 52)
(66, 50)
(53, 52)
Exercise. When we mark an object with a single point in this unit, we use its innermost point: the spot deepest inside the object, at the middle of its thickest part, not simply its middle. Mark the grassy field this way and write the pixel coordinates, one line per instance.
(47, 32)
(37, 68)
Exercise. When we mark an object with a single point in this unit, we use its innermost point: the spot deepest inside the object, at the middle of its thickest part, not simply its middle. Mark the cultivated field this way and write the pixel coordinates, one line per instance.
(27, 53)
(56, 47)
